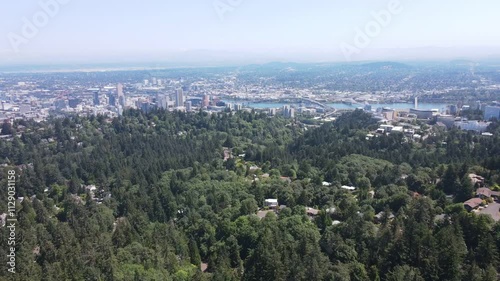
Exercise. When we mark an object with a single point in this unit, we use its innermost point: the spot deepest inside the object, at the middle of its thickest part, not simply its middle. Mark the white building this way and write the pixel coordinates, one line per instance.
(349, 188)
(271, 203)
(477, 126)
(387, 128)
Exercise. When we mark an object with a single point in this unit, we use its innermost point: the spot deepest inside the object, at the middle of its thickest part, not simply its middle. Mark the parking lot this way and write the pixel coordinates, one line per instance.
(493, 210)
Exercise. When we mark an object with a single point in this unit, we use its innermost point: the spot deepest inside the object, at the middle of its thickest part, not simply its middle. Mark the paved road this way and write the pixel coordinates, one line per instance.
(492, 210)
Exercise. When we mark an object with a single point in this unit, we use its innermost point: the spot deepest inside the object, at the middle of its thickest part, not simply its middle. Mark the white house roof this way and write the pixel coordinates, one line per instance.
(346, 187)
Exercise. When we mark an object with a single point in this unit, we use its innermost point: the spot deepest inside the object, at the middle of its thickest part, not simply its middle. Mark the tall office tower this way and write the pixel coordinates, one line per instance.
(96, 99)
(112, 99)
(122, 101)
(162, 101)
(285, 110)
(288, 112)
(179, 98)
(206, 101)
(416, 102)
(119, 89)
(153, 80)
(188, 104)
(121, 96)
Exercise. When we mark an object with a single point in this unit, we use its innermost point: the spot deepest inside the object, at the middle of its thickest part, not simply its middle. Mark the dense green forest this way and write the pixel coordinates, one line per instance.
(167, 203)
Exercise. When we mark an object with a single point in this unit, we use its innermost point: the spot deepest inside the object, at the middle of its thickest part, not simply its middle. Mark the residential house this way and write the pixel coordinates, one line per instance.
(349, 188)
(312, 213)
(271, 203)
(473, 204)
(485, 193)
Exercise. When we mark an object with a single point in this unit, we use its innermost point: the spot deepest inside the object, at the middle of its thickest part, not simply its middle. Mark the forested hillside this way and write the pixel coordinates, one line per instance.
(181, 196)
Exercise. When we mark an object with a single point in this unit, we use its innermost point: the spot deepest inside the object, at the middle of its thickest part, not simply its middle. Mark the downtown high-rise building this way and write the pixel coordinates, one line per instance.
(206, 101)
(288, 112)
(188, 106)
(112, 97)
(122, 101)
(119, 89)
(162, 101)
(179, 98)
(121, 96)
(96, 98)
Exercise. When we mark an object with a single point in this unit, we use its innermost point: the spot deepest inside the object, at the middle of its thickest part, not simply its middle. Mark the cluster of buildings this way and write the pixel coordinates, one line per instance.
(288, 112)
(84, 94)
(486, 200)
(39, 97)
(453, 117)
(271, 205)
(10, 111)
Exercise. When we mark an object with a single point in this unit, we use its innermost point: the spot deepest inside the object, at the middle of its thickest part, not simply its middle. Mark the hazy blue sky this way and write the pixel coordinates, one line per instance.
(119, 30)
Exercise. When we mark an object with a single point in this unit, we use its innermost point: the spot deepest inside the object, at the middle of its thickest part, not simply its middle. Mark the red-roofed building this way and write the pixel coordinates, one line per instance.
(473, 203)
(483, 193)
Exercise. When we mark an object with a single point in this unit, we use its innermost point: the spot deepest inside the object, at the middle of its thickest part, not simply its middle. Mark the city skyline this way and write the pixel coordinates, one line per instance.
(232, 32)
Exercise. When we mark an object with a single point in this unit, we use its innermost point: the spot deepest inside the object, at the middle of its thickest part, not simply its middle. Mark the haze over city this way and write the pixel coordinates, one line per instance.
(216, 32)
(250, 140)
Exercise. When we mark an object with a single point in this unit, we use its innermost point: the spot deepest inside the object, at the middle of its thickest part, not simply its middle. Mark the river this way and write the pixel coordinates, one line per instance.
(265, 105)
